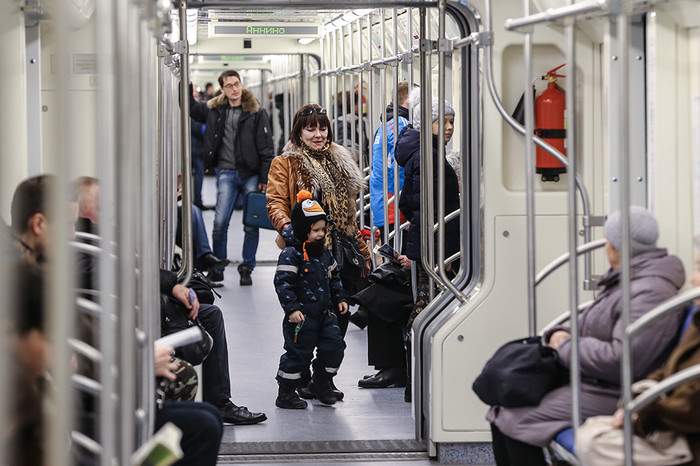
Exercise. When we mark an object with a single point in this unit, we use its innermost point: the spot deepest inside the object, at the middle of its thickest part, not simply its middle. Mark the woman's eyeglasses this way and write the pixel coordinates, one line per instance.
(310, 110)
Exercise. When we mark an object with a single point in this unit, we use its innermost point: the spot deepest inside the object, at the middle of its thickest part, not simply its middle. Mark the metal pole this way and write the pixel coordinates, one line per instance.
(572, 152)
(59, 287)
(395, 166)
(149, 282)
(441, 160)
(372, 123)
(385, 143)
(623, 39)
(529, 175)
(185, 272)
(426, 162)
(106, 172)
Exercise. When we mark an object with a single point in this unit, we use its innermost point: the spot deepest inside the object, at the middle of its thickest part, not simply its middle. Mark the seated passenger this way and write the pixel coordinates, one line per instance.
(23, 440)
(216, 381)
(200, 423)
(677, 411)
(519, 433)
(408, 156)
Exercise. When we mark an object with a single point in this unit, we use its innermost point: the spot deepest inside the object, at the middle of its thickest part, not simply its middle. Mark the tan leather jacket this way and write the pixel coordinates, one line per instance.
(286, 179)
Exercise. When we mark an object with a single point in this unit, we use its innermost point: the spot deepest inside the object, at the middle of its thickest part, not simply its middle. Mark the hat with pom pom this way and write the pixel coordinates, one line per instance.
(305, 213)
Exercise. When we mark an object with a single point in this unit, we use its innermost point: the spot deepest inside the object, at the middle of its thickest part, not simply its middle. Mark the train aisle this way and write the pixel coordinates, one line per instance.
(377, 422)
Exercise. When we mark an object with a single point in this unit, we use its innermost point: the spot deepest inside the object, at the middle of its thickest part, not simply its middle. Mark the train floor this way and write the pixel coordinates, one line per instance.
(369, 425)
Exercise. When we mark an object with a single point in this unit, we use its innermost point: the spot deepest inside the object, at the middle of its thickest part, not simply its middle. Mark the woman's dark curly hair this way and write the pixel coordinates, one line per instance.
(308, 115)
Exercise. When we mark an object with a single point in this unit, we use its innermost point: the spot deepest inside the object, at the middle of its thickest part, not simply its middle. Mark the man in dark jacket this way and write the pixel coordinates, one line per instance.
(238, 142)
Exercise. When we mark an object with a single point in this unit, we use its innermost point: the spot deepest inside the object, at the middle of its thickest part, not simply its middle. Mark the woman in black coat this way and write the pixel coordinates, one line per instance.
(408, 156)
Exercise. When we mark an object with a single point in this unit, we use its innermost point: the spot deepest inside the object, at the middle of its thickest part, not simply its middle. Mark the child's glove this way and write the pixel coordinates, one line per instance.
(288, 234)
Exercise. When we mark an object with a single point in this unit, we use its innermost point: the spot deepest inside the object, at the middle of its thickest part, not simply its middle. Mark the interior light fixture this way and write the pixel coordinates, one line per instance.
(306, 40)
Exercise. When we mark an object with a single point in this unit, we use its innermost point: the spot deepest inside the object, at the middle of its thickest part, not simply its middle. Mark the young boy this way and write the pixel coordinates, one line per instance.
(308, 284)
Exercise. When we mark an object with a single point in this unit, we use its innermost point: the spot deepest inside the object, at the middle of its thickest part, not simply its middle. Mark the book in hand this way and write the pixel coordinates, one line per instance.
(387, 251)
(163, 449)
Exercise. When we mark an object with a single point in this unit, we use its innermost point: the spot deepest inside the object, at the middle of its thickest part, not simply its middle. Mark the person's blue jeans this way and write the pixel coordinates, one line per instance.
(198, 175)
(228, 185)
(200, 240)
(216, 381)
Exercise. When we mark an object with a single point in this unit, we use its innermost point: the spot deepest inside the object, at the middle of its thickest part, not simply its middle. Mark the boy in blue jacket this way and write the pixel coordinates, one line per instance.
(307, 282)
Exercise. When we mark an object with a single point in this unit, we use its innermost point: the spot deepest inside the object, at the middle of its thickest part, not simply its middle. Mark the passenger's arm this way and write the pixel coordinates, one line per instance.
(676, 411)
(286, 282)
(278, 208)
(264, 145)
(601, 359)
(338, 293)
(198, 110)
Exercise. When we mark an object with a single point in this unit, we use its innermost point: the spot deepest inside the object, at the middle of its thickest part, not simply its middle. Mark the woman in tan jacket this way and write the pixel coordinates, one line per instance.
(311, 161)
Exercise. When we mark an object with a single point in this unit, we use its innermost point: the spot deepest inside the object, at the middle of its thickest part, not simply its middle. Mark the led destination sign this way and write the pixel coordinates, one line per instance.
(266, 30)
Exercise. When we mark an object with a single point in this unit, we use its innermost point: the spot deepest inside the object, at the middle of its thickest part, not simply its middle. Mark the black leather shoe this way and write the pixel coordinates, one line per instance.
(246, 279)
(205, 207)
(287, 398)
(215, 276)
(210, 262)
(385, 378)
(239, 415)
(210, 283)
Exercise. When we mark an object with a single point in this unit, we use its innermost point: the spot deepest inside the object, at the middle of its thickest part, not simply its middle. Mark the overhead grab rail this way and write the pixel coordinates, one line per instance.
(553, 14)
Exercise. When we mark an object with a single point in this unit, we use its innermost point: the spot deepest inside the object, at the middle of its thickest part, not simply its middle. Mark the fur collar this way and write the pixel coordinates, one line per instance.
(249, 103)
(341, 155)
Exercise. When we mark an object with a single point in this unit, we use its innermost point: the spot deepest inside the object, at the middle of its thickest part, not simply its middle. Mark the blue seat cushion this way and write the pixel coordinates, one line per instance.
(565, 438)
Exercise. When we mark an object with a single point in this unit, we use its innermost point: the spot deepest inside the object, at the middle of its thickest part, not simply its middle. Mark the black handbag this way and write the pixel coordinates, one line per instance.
(520, 373)
(173, 318)
(255, 211)
(200, 284)
(346, 251)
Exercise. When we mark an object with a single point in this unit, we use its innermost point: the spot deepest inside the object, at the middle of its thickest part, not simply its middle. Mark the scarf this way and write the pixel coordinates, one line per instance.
(334, 191)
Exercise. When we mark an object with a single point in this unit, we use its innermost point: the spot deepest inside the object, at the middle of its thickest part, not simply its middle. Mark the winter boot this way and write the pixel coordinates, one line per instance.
(322, 390)
(287, 397)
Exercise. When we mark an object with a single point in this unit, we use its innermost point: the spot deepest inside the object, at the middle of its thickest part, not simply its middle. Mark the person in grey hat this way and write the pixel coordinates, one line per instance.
(520, 433)
(644, 230)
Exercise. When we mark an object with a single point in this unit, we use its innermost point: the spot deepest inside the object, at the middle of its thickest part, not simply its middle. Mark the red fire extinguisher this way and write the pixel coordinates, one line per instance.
(550, 125)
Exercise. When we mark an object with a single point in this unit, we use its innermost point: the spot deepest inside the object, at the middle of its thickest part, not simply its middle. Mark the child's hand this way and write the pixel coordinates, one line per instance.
(343, 307)
(296, 317)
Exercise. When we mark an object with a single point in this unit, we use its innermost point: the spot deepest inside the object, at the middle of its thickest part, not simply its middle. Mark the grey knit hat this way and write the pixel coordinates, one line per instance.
(644, 230)
(414, 104)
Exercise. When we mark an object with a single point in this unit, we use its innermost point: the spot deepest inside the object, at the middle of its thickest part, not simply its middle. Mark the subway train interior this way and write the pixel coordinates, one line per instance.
(564, 112)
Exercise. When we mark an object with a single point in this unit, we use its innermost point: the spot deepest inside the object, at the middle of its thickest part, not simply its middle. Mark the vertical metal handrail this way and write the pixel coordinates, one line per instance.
(529, 173)
(149, 316)
(572, 153)
(373, 124)
(59, 287)
(441, 160)
(106, 172)
(426, 161)
(394, 165)
(185, 272)
(385, 143)
(622, 21)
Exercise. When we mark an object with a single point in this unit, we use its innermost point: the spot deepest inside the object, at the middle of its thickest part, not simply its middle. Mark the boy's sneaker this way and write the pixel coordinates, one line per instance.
(246, 279)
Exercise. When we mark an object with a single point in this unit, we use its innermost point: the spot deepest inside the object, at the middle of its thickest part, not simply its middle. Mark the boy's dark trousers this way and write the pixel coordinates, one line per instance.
(318, 331)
